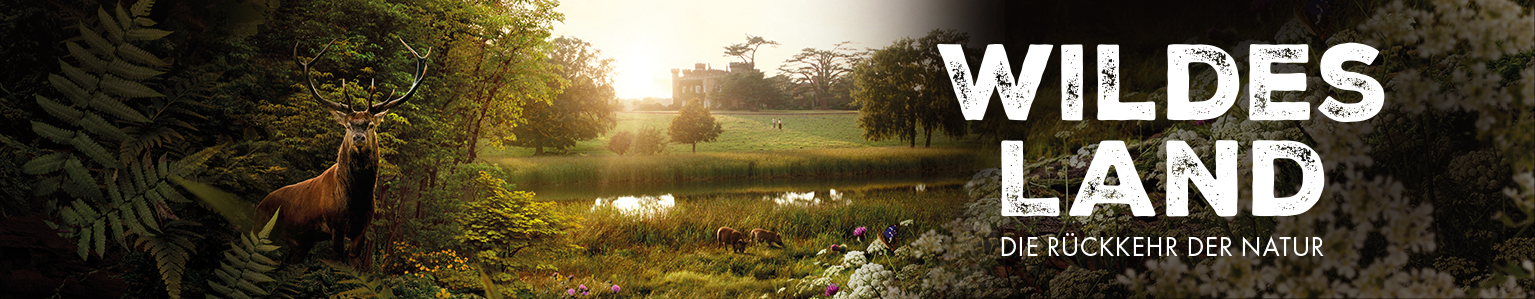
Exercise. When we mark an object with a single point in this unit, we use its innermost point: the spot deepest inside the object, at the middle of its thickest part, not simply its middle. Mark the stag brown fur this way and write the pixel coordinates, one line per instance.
(337, 204)
(766, 236)
(731, 238)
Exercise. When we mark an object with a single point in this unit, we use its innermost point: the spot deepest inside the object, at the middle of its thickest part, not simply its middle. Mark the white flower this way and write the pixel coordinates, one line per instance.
(854, 259)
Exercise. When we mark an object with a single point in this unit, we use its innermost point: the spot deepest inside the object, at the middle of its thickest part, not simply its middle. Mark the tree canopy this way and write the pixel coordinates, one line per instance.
(903, 88)
(747, 51)
(819, 71)
(693, 124)
(583, 110)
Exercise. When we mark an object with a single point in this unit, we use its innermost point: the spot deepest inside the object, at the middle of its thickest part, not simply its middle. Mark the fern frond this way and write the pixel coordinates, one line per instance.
(112, 106)
(45, 164)
(82, 180)
(114, 30)
(146, 34)
(129, 71)
(128, 89)
(85, 80)
(117, 228)
(57, 110)
(94, 150)
(95, 124)
(99, 227)
(142, 8)
(99, 45)
(88, 60)
(83, 248)
(46, 186)
(171, 250)
(146, 216)
(123, 20)
(246, 264)
(74, 92)
(131, 52)
(53, 133)
(144, 22)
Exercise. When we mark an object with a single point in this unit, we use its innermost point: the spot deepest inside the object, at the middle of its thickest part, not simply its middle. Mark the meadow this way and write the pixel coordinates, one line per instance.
(811, 144)
(672, 254)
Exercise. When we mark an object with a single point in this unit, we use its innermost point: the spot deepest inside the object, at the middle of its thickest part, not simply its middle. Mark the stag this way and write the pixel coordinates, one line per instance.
(337, 204)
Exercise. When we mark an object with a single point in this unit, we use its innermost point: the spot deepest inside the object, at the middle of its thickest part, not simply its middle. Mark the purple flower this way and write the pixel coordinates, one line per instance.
(615, 288)
(584, 293)
(571, 292)
(831, 289)
(582, 287)
(858, 232)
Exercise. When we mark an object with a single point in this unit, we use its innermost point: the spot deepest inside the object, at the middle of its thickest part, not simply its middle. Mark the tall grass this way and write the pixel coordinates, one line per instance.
(673, 254)
(601, 170)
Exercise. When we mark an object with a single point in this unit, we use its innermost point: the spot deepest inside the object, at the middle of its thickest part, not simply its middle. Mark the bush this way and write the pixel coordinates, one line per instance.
(650, 140)
(619, 143)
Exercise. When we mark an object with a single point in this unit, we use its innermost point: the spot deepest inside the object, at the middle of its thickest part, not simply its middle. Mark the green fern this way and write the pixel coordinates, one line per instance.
(171, 249)
(367, 285)
(245, 264)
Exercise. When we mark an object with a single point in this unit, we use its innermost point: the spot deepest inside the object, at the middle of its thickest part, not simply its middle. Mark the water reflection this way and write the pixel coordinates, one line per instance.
(806, 198)
(645, 206)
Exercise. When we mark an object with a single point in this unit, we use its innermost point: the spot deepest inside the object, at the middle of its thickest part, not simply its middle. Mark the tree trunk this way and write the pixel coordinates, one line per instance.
(695, 147)
(538, 150)
(929, 142)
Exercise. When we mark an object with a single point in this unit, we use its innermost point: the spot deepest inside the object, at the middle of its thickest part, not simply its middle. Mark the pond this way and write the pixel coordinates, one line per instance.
(817, 186)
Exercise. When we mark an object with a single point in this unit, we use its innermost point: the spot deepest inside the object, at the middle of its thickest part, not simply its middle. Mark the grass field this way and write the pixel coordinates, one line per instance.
(812, 144)
(744, 132)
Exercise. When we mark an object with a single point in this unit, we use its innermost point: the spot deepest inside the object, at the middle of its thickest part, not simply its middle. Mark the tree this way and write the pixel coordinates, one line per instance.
(903, 88)
(501, 223)
(819, 71)
(619, 143)
(502, 67)
(747, 51)
(649, 141)
(582, 111)
(748, 89)
(693, 124)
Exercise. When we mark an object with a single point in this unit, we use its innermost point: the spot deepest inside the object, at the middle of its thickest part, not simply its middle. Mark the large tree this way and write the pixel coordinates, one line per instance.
(582, 111)
(693, 124)
(748, 89)
(747, 51)
(903, 88)
(818, 71)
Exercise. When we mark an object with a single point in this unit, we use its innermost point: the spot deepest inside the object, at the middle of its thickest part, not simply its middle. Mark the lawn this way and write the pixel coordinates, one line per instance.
(745, 132)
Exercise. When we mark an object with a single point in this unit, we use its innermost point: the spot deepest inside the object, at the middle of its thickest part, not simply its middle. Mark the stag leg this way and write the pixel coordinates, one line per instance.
(356, 251)
(299, 252)
(338, 245)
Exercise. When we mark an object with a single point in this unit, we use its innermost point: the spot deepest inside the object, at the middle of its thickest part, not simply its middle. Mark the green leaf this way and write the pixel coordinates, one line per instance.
(85, 80)
(254, 276)
(234, 209)
(113, 191)
(112, 106)
(82, 180)
(128, 89)
(144, 22)
(53, 133)
(146, 215)
(226, 290)
(88, 60)
(95, 124)
(132, 219)
(100, 228)
(57, 110)
(69, 89)
(123, 19)
(99, 45)
(94, 150)
(132, 52)
(45, 164)
(142, 7)
(130, 71)
(117, 228)
(146, 34)
(107, 21)
(84, 246)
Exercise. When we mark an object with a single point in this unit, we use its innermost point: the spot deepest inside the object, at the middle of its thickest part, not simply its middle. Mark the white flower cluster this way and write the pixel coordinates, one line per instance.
(867, 282)
(877, 248)
(1083, 156)
(1359, 206)
(854, 259)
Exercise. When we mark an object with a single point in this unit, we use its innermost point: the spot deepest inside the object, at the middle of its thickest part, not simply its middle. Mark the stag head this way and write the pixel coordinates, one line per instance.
(360, 124)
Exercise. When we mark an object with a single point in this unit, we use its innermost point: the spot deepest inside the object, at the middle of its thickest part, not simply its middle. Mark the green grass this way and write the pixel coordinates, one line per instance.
(673, 254)
(744, 132)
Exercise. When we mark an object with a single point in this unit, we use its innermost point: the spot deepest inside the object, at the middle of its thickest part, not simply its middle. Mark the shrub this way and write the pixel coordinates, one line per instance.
(619, 143)
(650, 140)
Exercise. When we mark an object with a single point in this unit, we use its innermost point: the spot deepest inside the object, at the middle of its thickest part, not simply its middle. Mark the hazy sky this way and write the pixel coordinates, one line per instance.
(648, 38)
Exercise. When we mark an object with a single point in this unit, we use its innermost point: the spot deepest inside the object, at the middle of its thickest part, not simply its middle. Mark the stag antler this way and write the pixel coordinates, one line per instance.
(420, 73)
(312, 89)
